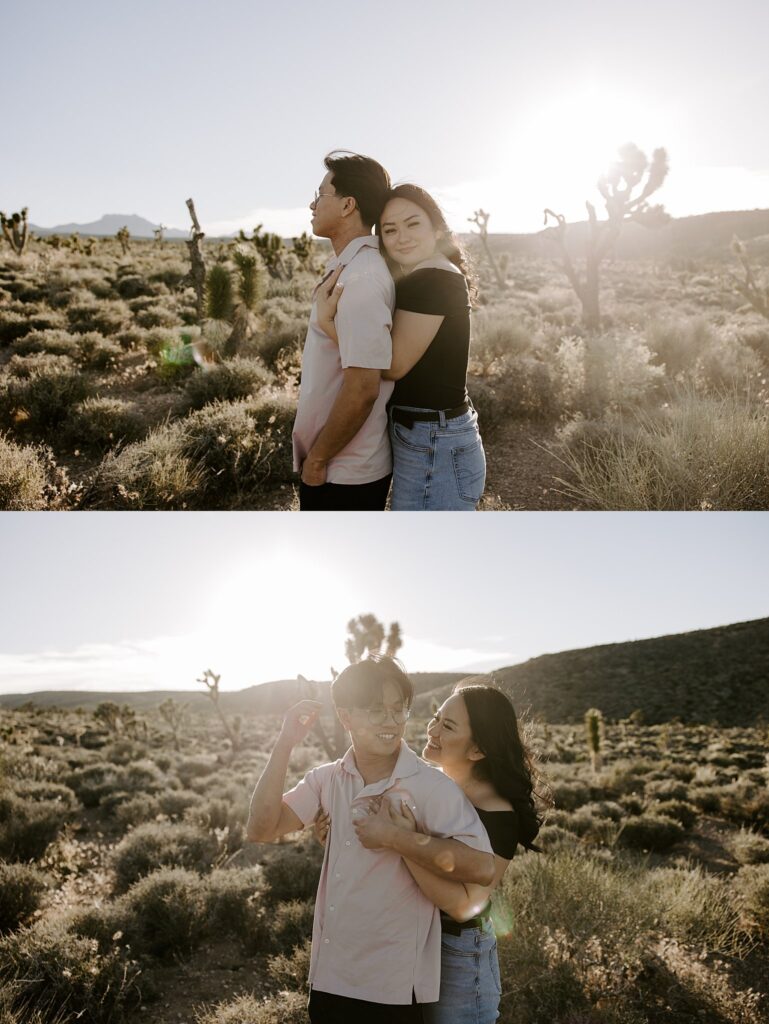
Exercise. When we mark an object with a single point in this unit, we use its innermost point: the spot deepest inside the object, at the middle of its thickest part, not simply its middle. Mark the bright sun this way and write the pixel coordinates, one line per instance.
(277, 616)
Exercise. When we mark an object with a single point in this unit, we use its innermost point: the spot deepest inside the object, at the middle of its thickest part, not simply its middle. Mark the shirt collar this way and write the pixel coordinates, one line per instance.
(407, 764)
(351, 249)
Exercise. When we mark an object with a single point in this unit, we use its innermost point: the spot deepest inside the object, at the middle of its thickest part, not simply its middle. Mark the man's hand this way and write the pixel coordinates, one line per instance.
(299, 720)
(314, 472)
(376, 829)
(321, 826)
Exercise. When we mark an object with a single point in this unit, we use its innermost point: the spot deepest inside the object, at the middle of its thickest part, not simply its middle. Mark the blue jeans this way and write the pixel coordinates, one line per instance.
(470, 985)
(438, 465)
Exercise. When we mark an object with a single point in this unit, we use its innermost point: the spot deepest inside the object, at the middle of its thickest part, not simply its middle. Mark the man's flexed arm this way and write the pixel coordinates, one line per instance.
(268, 816)
(351, 409)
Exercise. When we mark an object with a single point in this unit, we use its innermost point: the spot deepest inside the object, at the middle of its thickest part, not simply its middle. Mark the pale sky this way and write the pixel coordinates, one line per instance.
(132, 108)
(138, 601)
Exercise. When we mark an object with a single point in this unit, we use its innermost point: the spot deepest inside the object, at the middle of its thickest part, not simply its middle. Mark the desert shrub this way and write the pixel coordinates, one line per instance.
(284, 1008)
(64, 978)
(21, 887)
(174, 804)
(290, 924)
(498, 333)
(238, 378)
(749, 847)
(650, 832)
(752, 884)
(40, 789)
(678, 343)
(171, 274)
(567, 918)
(149, 474)
(680, 810)
(233, 906)
(99, 423)
(281, 348)
(42, 401)
(13, 325)
(156, 316)
(707, 798)
(27, 828)
(190, 768)
(157, 845)
(137, 810)
(699, 908)
(130, 286)
(22, 478)
(291, 970)
(568, 796)
(240, 446)
(57, 342)
(92, 783)
(553, 837)
(666, 789)
(292, 872)
(96, 352)
(26, 367)
(725, 364)
(700, 453)
(166, 912)
(104, 317)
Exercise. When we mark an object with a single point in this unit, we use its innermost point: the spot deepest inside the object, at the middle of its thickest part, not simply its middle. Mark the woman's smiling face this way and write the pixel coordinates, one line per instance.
(449, 737)
(407, 234)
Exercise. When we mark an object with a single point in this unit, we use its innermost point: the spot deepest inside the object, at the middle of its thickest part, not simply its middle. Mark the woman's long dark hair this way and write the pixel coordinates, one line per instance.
(508, 763)
(448, 244)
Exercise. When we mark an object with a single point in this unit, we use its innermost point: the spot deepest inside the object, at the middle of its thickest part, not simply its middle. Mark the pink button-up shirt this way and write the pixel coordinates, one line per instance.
(363, 322)
(375, 935)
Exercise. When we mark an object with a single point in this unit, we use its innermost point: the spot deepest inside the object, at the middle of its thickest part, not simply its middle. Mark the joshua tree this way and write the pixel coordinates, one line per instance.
(481, 218)
(16, 230)
(754, 290)
(271, 248)
(211, 681)
(366, 635)
(159, 236)
(305, 251)
(175, 716)
(234, 295)
(594, 732)
(197, 274)
(124, 237)
(74, 242)
(625, 175)
(88, 245)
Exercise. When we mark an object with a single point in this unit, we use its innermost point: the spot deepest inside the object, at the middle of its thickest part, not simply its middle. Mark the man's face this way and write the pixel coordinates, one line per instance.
(383, 735)
(326, 209)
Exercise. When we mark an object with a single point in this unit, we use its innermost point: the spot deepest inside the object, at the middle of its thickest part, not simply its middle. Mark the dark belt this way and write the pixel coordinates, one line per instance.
(457, 927)
(407, 417)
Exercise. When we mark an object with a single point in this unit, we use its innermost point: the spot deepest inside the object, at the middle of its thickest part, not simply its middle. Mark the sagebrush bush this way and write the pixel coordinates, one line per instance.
(290, 924)
(284, 1008)
(700, 909)
(753, 887)
(156, 845)
(64, 978)
(165, 912)
(292, 970)
(98, 424)
(23, 477)
(27, 827)
(749, 847)
(104, 317)
(42, 402)
(21, 889)
(650, 832)
(292, 872)
(228, 381)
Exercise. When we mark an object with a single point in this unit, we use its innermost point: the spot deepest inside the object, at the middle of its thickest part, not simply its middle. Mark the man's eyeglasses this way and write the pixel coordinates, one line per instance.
(317, 196)
(379, 715)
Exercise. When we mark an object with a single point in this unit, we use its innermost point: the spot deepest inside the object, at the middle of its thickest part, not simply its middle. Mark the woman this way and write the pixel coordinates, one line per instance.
(474, 738)
(438, 457)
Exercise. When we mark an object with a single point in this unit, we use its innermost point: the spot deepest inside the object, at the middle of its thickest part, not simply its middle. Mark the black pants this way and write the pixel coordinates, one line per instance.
(345, 497)
(325, 1008)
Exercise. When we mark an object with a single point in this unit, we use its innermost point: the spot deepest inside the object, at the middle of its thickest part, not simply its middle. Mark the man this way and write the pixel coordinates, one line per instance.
(376, 938)
(341, 447)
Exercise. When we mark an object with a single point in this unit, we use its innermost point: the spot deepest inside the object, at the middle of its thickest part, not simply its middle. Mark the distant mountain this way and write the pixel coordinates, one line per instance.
(108, 225)
(710, 675)
(273, 698)
(707, 234)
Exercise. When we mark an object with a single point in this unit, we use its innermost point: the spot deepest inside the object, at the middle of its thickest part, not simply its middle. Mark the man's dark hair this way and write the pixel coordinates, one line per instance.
(361, 685)
(362, 178)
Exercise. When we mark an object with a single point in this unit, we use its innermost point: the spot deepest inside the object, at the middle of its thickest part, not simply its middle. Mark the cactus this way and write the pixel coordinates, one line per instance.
(16, 230)
(124, 237)
(481, 218)
(211, 681)
(175, 715)
(616, 188)
(159, 235)
(594, 732)
(754, 290)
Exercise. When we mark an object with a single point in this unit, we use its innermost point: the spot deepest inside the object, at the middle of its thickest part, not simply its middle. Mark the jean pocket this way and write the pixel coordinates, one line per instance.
(470, 469)
(409, 438)
(494, 965)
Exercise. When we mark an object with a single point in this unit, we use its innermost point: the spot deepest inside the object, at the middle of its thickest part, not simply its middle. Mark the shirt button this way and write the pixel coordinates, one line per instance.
(337, 875)
(325, 941)
(347, 842)
(332, 908)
